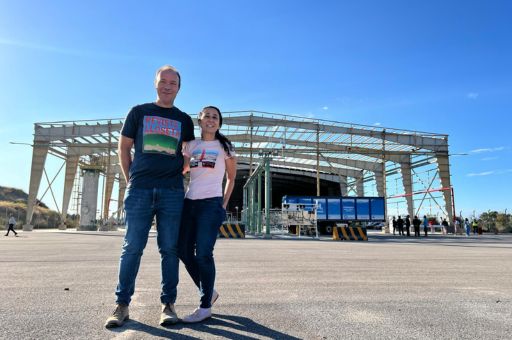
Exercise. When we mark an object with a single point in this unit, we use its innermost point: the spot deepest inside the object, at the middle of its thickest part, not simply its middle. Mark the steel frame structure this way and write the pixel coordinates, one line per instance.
(352, 155)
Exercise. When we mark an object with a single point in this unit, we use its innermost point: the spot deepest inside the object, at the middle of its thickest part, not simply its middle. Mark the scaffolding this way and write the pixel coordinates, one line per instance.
(300, 219)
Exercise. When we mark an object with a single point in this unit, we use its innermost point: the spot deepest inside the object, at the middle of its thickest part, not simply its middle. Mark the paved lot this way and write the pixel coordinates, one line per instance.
(59, 285)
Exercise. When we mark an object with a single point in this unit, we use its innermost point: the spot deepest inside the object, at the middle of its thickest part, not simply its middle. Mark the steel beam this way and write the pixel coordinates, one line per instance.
(69, 179)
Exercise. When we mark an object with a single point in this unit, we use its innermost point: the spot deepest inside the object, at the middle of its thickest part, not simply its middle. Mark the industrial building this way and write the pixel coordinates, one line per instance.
(307, 156)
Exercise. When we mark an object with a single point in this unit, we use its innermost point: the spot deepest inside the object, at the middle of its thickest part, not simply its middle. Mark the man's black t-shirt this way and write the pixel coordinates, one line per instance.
(158, 134)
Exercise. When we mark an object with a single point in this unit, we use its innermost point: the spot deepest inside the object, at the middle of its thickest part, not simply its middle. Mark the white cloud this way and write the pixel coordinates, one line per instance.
(500, 148)
(489, 158)
(492, 172)
(377, 124)
(325, 108)
(62, 50)
(485, 173)
(472, 95)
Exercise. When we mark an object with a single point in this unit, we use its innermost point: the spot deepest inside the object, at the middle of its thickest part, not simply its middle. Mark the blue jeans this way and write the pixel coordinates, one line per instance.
(141, 206)
(199, 228)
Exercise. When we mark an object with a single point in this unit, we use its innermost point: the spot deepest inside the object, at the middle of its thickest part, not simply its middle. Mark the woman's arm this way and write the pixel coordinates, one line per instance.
(230, 180)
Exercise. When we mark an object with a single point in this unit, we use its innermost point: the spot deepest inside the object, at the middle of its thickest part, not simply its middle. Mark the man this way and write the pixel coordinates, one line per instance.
(157, 131)
(400, 224)
(394, 224)
(12, 223)
(425, 225)
(457, 226)
(445, 226)
(475, 226)
(408, 225)
(416, 223)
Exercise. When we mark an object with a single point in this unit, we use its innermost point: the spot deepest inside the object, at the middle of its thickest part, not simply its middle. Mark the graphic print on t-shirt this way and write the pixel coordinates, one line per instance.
(160, 135)
(203, 158)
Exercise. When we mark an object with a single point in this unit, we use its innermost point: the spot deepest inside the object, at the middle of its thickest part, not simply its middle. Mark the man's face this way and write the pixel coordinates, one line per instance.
(167, 86)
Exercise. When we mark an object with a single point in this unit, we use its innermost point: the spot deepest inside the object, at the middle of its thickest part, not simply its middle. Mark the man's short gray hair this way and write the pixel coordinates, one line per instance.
(168, 68)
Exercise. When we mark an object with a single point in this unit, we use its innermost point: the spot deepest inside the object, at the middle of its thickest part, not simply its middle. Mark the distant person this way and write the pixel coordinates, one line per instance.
(467, 226)
(480, 228)
(408, 225)
(12, 223)
(425, 225)
(445, 226)
(400, 224)
(456, 226)
(475, 226)
(210, 160)
(157, 132)
(394, 225)
(416, 223)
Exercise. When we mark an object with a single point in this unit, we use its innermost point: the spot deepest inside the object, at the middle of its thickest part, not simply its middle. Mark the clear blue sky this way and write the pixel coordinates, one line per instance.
(438, 66)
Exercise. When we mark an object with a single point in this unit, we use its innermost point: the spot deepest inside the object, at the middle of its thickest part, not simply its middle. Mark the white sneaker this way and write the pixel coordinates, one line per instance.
(215, 296)
(198, 315)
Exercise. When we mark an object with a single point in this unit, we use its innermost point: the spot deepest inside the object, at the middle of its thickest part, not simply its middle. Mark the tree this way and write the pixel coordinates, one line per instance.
(488, 220)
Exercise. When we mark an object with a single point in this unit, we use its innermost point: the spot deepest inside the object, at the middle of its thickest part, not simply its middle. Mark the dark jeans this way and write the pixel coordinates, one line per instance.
(201, 220)
(11, 227)
(141, 206)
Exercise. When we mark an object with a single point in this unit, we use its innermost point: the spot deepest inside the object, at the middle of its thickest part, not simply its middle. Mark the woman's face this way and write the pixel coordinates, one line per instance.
(209, 120)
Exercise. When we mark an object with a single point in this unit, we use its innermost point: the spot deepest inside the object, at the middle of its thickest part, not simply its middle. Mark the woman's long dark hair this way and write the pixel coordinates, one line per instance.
(224, 141)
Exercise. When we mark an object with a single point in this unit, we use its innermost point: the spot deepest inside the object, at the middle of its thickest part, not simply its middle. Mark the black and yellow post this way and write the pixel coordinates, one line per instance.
(349, 233)
(227, 231)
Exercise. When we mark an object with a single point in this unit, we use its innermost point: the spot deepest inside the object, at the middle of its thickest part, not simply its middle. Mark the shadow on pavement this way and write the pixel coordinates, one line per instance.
(133, 325)
(238, 323)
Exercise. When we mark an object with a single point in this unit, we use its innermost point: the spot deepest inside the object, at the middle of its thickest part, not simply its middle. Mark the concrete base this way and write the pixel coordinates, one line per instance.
(267, 236)
(62, 226)
(87, 228)
(108, 227)
(28, 227)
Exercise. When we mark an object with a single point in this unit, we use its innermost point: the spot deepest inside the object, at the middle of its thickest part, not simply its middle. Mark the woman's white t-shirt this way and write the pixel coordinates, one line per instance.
(207, 168)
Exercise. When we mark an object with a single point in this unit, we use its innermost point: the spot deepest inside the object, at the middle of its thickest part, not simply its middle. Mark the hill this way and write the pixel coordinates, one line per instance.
(16, 195)
(12, 194)
(14, 202)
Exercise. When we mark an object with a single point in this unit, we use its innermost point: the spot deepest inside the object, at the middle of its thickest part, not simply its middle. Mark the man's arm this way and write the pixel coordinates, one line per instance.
(230, 180)
(124, 149)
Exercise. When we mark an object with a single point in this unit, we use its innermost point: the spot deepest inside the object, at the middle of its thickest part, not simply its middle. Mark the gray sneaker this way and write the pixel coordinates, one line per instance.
(168, 315)
(118, 317)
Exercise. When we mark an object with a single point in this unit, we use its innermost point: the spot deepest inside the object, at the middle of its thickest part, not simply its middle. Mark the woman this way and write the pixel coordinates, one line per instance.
(208, 159)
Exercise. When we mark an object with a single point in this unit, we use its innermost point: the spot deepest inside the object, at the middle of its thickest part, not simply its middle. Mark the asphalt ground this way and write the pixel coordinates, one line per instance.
(60, 285)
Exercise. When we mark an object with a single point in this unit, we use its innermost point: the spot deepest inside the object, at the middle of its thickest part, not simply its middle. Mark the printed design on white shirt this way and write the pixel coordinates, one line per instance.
(203, 158)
